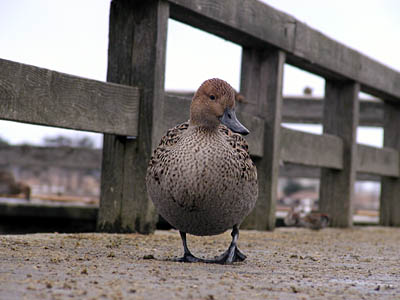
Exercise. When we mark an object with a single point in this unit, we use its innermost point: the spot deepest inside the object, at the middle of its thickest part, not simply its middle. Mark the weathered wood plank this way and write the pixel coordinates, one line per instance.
(302, 110)
(251, 23)
(290, 170)
(248, 23)
(309, 110)
(341, 109)
(390, 188)
(320, 54)
(176, 110)
(371, 113)
(137, 47)
(39, 96)
(255, 139)
(305, 110)
(311, 149)
(42, 157)
(254, 65)
(261, 80)
(378, 161)
(90, 159)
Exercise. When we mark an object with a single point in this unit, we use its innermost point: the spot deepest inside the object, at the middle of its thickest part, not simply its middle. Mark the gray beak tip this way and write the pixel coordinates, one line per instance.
(245, 132)
(229, 119)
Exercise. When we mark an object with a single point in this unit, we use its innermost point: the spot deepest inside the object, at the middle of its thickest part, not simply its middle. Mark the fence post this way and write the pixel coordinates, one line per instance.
(390, 189)
(136, 56)
(341, 110)
(261, 84)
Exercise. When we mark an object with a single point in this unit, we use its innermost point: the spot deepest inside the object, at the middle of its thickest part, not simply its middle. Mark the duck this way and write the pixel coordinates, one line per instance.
(314, 220)
(10, 187)
(201, 177)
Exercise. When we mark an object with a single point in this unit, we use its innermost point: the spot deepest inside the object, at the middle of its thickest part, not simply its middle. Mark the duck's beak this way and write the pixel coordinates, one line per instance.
(229, 119)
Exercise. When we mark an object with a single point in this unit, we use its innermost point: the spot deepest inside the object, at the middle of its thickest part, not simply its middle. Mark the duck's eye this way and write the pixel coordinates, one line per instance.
(212, 97)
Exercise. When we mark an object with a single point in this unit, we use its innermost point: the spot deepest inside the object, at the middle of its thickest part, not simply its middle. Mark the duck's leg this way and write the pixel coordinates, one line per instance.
(187, 255)
(233, 254)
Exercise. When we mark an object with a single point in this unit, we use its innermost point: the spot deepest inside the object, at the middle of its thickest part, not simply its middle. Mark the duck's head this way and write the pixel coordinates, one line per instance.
(214, 103)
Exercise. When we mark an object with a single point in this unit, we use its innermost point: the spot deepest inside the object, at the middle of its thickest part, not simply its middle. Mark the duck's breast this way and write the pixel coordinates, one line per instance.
(203, 185)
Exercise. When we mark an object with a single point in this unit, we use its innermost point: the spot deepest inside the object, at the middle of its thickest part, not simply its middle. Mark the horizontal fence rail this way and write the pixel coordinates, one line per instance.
(304, 109)
(255, 24)
(39, 96)
(378, 161)
(289, 170)
(311, 149)
(309, 110)
(62, 157)
(90, 159)
(300, 147)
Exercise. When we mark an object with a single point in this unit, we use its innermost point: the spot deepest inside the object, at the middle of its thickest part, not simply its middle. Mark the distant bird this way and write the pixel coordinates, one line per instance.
(307, 91)
(201, 177)
(313, 220)
(9, 187)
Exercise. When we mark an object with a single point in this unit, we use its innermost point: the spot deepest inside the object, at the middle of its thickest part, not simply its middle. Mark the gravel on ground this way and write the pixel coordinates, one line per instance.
(288, 263)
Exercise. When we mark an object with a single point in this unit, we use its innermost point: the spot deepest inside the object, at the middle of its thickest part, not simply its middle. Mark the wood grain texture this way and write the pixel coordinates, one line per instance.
(137, 48)
(304, 110)
(255, 138)
(378, 161)
(251, 23)
(261, 81)
(341, 109)
(311, 149)
(248, 23)
(390, 188)
(176, 110)
(39, 96)
(309, 110)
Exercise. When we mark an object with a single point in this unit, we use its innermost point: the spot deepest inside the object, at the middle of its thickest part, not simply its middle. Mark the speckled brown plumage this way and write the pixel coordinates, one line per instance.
(202, 180)
(202, 183)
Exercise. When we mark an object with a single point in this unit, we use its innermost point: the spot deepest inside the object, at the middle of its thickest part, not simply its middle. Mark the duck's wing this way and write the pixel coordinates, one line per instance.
(240, 146)
(172, 136)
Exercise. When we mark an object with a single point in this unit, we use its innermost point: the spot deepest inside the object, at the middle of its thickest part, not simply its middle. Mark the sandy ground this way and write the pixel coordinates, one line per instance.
(359, 263)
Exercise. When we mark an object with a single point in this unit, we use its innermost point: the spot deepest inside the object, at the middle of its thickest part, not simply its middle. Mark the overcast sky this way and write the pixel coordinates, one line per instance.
(70, 36)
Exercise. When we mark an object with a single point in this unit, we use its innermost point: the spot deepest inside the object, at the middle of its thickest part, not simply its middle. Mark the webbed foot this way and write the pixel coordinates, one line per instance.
(233, 254)
(189, 258)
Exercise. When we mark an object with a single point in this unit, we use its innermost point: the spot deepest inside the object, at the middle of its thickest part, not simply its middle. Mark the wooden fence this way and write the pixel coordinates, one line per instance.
(134, 104)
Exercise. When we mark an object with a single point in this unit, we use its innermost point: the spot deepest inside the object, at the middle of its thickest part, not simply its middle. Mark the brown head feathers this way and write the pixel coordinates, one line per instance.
(210, 101)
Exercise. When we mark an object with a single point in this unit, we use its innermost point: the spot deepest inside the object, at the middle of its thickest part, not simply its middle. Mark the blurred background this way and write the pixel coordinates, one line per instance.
(45, 164)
